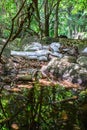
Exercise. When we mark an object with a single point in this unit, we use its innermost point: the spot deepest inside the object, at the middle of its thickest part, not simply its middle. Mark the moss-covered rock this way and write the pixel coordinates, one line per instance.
(82, 60)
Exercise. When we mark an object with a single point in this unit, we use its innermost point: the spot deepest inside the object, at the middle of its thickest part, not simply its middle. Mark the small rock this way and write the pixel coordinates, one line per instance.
(42, 58)
(84, 51)
(56, 54)
(55, 46)
(33, 47)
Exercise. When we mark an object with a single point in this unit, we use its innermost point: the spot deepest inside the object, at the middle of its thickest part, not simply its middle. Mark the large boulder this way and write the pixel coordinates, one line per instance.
(41, 55)
(67, 68)
(82, 60)
(58, 66)
(39, 52)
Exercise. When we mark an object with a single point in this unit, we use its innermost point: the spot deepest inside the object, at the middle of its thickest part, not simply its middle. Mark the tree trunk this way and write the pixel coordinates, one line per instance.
(38, 17)
(46, 13)
(56, 22)
(70, 32)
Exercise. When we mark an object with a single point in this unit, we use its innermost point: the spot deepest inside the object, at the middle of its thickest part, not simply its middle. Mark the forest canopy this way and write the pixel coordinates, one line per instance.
(43, 18)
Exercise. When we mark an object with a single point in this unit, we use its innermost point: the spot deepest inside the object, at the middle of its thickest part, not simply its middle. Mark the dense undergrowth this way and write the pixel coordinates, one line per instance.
(43, 108)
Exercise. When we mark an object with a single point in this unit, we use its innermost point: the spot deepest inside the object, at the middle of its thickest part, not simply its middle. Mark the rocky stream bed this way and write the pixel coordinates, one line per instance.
(49, 64)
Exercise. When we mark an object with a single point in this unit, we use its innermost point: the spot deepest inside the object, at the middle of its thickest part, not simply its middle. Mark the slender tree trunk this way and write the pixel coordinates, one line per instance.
(56, 22)
(46, 13)
(38, 17)
(70, 32)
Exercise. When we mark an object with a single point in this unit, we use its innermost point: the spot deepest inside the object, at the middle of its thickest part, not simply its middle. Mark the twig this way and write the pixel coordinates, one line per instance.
(66, 100)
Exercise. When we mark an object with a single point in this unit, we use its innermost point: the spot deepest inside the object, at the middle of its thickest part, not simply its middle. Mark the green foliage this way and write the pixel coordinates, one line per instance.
(41, 108)
(72, 16)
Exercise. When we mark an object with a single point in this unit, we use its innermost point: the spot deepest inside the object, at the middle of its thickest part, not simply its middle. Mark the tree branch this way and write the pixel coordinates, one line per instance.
(12, 28)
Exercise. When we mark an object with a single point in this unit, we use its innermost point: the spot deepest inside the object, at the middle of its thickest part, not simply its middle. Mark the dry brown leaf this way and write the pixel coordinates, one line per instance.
(25, 86)
(69, 84)
(15, 126)
(64, 115)
(44, 82)
(15, 90)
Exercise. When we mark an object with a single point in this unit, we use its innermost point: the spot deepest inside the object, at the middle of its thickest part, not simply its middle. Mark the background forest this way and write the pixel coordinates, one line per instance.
(28, 99)
(44, 18)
